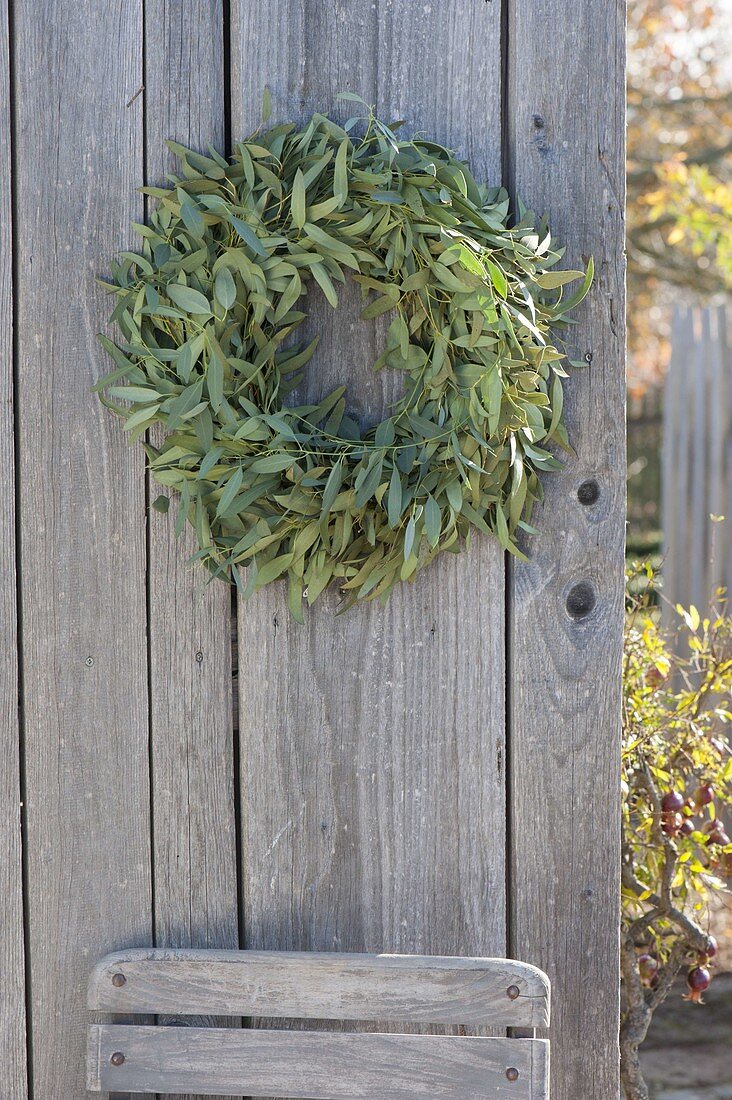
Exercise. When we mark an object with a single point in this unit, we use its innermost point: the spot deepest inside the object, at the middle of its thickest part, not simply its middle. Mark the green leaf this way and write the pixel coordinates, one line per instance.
(409, 537)
(557, 403)
(394, 499)
(502, 528)
(294, 599)
(135, 393)
(323, 280)
(297, 200)
(192, 301)
(454, 495)
(225, 288)
(289, 298)
(233, 485)
(210, 460)
(215, 381)
(142, 416)
(579, 295)
(370, 483)
(497, 278)
(551, 279)
(192, 219)
(161, 504)
(271, 464)
(432, 521)
(273, 569)
(393, 197)
(340, 173)
(188, 354)
(248, 235)
(332, 487)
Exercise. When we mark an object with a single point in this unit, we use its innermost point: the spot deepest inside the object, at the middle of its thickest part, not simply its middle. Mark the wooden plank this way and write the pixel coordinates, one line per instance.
(565, 127)
(191, 721)
(725, 335)
(681, 564)
(425, 989)
(190, 622)
(716, 383)
(79, 160)
(13, 1069)
(697, 516)
(372, 745)
(673, 411)
(317, 1065)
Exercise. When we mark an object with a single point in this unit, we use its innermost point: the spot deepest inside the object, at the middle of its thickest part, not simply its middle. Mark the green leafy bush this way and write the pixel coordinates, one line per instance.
(677, 786)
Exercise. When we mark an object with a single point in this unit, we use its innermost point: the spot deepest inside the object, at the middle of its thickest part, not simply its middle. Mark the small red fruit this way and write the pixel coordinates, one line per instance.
(711, 951)
(671, 801)
(647, 967)
(698, 980)
(671, 824)
(703, 795)
(717, 833)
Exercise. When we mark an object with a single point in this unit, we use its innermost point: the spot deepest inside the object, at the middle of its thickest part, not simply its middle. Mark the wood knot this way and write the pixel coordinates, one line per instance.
(581, 600)
(588, 492)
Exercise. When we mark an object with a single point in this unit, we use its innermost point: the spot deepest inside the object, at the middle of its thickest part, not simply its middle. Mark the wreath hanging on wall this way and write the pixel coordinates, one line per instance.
(207, 310)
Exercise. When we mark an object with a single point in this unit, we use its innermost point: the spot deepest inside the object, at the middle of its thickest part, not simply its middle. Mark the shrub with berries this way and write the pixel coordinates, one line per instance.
(677, 795)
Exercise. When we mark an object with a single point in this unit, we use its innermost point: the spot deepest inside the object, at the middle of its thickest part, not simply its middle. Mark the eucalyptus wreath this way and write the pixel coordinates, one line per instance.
(207, 312)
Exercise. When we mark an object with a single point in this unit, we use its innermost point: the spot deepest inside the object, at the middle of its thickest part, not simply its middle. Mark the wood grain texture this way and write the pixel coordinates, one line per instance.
(190, 621)
(325, 986)
(13, 1069)
(79, 160)
(194, 828)
(317, 1065)
(372, 745)
(697, 446)
(565, 113)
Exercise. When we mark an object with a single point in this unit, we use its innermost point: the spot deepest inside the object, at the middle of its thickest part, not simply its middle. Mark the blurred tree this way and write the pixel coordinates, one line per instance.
(679, 165)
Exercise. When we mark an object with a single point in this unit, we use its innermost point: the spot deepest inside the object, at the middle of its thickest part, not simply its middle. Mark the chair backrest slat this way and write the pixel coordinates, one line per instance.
(393, 988)
(318, 1065)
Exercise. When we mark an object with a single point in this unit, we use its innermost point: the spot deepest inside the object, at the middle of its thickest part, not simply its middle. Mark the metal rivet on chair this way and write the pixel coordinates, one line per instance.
(513, 992)
(118, 980)
(512, 1073)
(118, 1058)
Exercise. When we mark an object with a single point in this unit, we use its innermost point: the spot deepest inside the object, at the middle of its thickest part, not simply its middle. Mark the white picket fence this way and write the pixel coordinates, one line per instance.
(697, 457)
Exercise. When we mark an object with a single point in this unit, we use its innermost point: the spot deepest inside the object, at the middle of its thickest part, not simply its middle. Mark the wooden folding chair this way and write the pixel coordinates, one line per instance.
(320, 1065)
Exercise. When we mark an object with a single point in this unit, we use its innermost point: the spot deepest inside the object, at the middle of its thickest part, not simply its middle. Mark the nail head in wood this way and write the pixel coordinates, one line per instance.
(118, 980)
(512, 1074)
(512, 992)
(118, 1058)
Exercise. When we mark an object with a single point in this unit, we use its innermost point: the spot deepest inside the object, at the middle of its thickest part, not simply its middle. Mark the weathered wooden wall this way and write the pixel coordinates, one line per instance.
(439, 776)
(697, 458)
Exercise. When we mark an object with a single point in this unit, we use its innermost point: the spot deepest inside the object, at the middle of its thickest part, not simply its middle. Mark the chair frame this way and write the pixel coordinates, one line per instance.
(405, 990)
